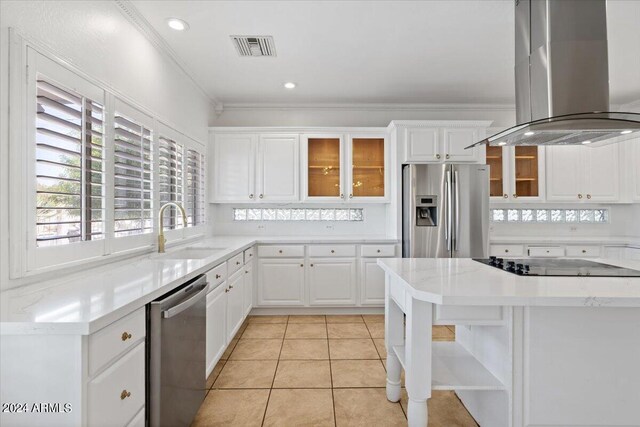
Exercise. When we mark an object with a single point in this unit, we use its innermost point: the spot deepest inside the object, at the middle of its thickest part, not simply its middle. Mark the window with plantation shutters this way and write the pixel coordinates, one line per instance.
(69, 154)
(194, 202)
(133, 187)
(170, 165)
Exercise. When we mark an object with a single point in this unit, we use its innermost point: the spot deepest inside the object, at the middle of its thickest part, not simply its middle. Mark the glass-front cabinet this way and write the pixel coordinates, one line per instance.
(367, 165)
(344, 168)
(515, 173)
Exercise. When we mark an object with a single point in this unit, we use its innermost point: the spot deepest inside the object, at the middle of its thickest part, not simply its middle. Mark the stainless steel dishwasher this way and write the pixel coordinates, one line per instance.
(176, 365)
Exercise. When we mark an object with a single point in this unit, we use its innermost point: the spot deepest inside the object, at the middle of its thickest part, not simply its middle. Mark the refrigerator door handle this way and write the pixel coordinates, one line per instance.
(447, 229)
(456, 232)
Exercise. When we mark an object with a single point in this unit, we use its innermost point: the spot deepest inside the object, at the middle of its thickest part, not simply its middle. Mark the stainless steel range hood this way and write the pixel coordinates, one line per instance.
(562, 77)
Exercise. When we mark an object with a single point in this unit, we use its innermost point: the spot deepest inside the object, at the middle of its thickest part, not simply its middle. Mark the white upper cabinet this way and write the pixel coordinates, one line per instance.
(254, 168)
(234, 161)
(440, 141)
(367, 167)
(422, 144)
(323, 168)
(278, 168)
(455, 141)
(583, 174)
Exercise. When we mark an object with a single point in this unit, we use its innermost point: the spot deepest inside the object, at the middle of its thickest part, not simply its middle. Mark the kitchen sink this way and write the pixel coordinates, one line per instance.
(190, 253)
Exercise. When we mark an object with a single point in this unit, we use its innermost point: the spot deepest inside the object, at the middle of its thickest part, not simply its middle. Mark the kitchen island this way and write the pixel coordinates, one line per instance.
(529, 351)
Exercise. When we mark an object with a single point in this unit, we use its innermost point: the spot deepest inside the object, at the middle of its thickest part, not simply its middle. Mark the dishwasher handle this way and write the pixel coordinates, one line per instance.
(177, 309)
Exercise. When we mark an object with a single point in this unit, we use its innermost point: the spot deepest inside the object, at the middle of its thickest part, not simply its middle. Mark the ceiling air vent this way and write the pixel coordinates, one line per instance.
(254, 45)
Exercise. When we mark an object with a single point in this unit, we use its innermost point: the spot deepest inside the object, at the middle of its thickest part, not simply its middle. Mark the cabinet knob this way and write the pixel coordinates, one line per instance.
(261, 196)
(250, 254)
(378, 251)
(341, 195)
(584, 251)
(588, 196)
(351, 196)
(311, 265)
(230, 286)
(280, 251)
(332, 251)
(506, 251)
(246, 271)
(237, 262)
(226, 290)
(579, 196)
(125, 394)
(126, 336)
(218, 276)
(515, 196)
(437, 156)
(506, 196)
(251, 196)
(301, 265)
(447, 156)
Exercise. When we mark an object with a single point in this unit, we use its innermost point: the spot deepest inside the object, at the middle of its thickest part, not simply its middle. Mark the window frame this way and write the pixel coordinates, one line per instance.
(27, 59)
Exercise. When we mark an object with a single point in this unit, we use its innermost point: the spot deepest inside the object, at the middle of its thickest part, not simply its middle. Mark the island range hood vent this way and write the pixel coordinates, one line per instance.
(562, 77)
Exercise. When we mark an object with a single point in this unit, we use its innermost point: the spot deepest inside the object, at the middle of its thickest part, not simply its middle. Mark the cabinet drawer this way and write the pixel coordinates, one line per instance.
(467, 315)
(377, 250)
(332, 250)
(249, 254)
(108, 342)
(118, 394)
(545, 251)
(285, 251)
(217, 275)
(583, 251)
(235, 263)
(506, 250)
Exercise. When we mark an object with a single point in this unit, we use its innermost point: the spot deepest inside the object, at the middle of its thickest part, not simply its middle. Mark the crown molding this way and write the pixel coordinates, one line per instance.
(133, 15)
(370, 107)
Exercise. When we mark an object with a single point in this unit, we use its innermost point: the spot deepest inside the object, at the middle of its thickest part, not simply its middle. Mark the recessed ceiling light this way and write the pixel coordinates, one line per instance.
(502, 143)
(586, 142)
(177, 24)
(290, 85)
(529, 133)
(624, 132)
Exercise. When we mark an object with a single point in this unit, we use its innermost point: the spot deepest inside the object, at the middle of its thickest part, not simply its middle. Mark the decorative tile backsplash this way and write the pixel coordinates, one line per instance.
(585, 216)
(297, 214)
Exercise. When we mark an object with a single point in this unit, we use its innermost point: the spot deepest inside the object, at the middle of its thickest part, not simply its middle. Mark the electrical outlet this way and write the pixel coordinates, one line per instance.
(261, 227)
(329, 227)
(573, 229)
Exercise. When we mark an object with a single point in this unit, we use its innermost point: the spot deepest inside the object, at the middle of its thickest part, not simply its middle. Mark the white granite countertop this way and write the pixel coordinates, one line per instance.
(462, 281)
(83, 303)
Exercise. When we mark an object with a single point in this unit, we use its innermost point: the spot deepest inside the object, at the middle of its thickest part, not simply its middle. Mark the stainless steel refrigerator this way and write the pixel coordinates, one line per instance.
(445, 211)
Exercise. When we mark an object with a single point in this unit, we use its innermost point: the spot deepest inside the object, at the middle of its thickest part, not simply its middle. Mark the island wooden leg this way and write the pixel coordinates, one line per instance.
(394, 336)
(418, 360)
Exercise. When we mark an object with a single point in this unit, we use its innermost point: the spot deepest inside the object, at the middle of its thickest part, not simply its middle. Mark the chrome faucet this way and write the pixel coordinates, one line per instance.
(161, 239)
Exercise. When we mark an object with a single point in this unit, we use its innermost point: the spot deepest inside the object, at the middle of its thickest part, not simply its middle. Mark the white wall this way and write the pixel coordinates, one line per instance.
(95, 37)
(382, 115)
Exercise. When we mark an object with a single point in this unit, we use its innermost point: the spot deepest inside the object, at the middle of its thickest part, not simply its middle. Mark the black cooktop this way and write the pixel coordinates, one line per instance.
(558, 267)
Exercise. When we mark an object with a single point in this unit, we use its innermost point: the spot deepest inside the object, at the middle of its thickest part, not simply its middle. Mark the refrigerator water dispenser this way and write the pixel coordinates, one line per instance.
(426, 211)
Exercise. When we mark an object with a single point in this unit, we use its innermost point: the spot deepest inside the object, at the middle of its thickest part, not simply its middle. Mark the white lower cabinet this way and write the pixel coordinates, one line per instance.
(248, 287)
(332, 281)
(281, 281)
(371, 282)
(117, 394)
(138, 420)
(235, 303)
(216, 325)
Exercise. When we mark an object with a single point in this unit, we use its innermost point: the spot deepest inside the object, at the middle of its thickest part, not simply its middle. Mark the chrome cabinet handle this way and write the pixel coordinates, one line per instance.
(506, 196)
(251, 196)
(125, 394)
(126, 336)
(437, 156)
(261, 196)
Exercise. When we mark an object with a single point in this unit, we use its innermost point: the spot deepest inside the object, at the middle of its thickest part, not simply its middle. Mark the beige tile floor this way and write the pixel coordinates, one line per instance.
(314, 371)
